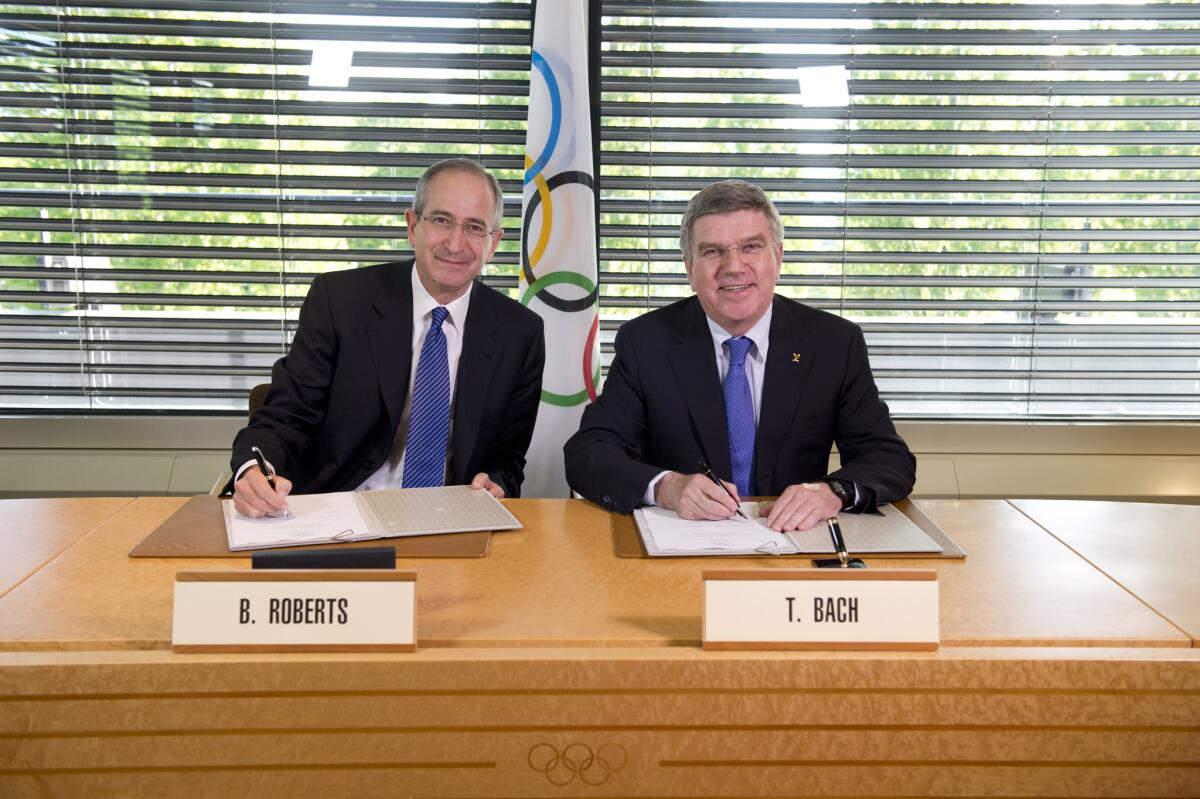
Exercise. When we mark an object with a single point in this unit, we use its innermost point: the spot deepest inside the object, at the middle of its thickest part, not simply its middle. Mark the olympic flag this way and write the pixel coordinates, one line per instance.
(558, 236)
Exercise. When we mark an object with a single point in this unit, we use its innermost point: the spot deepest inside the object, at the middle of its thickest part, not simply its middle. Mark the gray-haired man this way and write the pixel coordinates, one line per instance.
(406, 373)
(756, 386)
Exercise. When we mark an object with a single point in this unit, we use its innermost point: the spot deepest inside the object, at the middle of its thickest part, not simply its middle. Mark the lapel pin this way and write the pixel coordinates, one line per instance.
(795, 357)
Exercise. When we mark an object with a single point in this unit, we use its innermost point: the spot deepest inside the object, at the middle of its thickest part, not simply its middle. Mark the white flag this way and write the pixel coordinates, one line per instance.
(558, 236)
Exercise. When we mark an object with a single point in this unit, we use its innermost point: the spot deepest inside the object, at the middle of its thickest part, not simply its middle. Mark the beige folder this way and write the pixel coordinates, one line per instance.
(627, 542)
(197, 530)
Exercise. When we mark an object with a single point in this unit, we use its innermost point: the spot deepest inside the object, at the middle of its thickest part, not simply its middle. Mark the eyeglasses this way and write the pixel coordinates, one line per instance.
(476, 230)
(752, 250)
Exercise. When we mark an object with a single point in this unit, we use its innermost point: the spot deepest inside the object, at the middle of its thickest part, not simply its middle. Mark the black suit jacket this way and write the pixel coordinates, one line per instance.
(331, 415)
(662, 409)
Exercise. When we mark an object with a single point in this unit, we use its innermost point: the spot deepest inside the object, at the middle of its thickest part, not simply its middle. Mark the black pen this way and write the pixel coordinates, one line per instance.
(708, 473)
(839, 543)
(268, 473)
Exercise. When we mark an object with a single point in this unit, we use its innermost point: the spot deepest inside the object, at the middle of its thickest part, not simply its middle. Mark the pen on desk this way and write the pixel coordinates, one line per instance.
(708, 473)
(839, 543)
(268, 473)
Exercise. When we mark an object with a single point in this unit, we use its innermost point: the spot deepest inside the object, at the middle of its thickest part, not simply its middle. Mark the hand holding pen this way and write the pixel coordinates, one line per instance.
(694, 496)
(707, 472)
(260, 492)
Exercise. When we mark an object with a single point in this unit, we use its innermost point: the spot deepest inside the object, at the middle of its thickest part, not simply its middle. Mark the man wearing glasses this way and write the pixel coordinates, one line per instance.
(405, 374)
(735, 381)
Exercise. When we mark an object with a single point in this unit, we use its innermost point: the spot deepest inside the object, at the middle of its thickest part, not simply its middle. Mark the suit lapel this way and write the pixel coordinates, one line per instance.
(789, 358)
(481, 353)
(391, 341)
(694, 363)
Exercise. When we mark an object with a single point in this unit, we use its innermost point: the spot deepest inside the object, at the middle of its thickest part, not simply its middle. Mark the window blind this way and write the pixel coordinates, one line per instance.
(1003, 195)
(173, 173)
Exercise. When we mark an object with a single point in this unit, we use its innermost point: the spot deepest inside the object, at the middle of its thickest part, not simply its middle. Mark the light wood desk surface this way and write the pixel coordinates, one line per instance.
(1153, 550)
(557, 583)
(553, 668)
(34, 531)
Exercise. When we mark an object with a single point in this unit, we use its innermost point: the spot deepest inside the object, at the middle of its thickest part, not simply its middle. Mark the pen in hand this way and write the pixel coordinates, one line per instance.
(707, 472)
(269, 473)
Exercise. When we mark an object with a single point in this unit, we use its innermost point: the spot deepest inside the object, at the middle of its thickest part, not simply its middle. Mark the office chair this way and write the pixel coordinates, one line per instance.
(257, 396)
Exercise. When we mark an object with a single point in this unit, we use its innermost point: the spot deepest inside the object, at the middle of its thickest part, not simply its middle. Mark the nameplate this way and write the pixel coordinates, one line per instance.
(821, 609)
(309, 610)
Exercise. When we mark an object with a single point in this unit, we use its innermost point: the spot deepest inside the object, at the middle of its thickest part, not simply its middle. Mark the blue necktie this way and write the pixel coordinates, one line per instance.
(429, 420)
(739, 414)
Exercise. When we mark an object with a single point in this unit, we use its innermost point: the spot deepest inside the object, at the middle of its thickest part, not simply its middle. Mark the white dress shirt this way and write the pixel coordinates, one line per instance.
(390, 474)
(756, 370)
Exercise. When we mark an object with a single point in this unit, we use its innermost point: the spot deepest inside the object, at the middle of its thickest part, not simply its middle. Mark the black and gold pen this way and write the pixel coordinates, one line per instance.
(269, 473)
(708, 473)
(839, 543)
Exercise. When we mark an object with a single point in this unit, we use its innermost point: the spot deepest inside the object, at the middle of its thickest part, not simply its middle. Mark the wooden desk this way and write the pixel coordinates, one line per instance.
(33, 531)
(552, 661)
(1152, 550)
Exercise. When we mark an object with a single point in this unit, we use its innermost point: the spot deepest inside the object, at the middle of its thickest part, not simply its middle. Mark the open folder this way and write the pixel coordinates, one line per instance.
(664, 533)
(367, 515)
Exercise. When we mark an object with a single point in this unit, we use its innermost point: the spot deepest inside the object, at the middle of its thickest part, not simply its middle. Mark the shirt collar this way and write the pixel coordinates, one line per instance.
(760, 334)
(424, 303)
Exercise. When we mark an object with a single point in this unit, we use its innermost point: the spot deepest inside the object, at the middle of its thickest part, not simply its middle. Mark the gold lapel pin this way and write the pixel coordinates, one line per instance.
(795, 357)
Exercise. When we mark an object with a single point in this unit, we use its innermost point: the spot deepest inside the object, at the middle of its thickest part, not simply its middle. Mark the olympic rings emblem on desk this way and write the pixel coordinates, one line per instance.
(577, 760)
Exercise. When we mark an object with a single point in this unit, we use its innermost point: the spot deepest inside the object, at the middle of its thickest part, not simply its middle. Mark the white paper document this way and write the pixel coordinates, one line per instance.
(367, 515)
(664, 533)
(673, 534)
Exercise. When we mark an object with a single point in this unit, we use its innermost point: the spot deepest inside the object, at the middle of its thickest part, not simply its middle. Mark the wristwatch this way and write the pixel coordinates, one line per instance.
(842, 489)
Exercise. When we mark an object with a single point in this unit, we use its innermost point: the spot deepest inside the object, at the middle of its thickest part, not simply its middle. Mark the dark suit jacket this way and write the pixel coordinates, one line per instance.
(331, 415)
(662, 409)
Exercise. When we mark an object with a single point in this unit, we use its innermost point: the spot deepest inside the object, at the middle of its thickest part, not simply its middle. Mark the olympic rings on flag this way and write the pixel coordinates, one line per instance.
(542, 199)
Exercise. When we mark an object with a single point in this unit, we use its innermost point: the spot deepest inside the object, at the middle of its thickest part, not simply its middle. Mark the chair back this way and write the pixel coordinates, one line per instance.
(258, 395)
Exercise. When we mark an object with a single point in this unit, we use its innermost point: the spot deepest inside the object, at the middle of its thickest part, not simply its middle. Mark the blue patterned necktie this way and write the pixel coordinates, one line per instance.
(739, 414)
(429, 420)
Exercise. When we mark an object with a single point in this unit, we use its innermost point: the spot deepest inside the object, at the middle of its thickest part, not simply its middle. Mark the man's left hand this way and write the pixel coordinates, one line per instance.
(483, 481)
(801, 506)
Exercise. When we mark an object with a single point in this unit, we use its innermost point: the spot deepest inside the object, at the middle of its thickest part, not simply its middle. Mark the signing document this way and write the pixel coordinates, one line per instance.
(664, 533)
(366, 515)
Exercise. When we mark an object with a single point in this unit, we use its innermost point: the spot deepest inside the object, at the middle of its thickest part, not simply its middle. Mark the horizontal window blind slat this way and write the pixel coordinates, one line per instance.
(159, 323)
(764, 85)
(233, 106)
(126, 178)
(745, 160)
(920, 234)
(237, 253)
(216, 201)
(80, 25)
(209, 83)
(858, 186)
(398, 133)
(478, 9)
(874, 111)
(1058, 113)
(184, 155)
(667, 9)
(981, 209)
(903, 136)
(854, 34)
